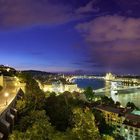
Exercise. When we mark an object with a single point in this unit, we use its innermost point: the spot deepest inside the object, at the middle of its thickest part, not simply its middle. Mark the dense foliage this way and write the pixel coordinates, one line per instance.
(52, 117)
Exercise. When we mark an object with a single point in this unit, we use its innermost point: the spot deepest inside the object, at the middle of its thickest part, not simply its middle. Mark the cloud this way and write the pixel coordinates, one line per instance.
(117, 54)
(88, 8)
(27, 12)
(36, 12)
(110, 28)
(114, 42)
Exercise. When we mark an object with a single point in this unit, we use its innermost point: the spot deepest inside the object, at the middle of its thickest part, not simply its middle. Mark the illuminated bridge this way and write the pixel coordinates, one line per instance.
(123, 80)
(117, 89)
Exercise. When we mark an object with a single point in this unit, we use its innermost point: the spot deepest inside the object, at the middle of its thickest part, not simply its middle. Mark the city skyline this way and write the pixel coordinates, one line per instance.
(67, 36)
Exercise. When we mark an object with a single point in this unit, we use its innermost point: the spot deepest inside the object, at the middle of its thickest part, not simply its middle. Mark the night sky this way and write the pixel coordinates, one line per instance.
(71, 35)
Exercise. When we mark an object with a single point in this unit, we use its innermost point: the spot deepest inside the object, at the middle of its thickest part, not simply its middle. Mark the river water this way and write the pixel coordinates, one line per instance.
(108, 89)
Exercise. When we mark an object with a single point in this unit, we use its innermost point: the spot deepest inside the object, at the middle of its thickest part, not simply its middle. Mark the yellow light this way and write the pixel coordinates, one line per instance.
(16, 84)
(6, 97)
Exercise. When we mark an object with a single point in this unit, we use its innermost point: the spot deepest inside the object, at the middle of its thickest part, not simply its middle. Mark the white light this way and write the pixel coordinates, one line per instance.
(8, 69)
(6, 94)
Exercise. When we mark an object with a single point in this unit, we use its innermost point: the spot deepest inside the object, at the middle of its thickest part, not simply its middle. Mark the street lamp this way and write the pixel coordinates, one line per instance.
(8, 69)
(6, 96)
(16, 84)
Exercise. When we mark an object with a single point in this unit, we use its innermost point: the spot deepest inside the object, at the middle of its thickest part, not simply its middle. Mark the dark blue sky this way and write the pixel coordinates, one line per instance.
(70, 35)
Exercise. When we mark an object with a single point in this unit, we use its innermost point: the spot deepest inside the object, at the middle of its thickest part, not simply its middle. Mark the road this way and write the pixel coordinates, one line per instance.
(12, 90)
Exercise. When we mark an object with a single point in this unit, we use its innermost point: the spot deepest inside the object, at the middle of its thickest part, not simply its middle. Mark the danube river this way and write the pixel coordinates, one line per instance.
(102, 87)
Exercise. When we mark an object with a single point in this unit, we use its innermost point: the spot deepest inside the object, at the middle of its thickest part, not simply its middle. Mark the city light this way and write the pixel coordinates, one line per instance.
(70, 69)
(8, 69)
(6, 96)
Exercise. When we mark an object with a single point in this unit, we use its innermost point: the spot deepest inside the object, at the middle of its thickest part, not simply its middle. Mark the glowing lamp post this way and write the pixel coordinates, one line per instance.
(6, 96)
(8, 69)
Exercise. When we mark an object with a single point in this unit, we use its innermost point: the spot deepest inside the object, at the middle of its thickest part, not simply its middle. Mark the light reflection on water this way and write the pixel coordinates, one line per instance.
(123, 97)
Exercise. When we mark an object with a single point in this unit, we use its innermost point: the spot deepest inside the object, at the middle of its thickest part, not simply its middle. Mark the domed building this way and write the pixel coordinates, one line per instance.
(109, 76)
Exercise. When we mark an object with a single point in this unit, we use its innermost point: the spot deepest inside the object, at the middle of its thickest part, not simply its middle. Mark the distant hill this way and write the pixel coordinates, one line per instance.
(40, 75)
(37, 73)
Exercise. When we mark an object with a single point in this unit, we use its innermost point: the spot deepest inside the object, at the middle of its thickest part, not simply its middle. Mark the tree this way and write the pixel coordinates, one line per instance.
(17, 135)
(101, 123)
(89, 93)
(131, 105)
(59, 111)
(68, 135)
(41, 130)
(34, 96)
(84, 125)
(107, 101)
(107, 137)
(31, 101)
(35, 126)
(118, 104)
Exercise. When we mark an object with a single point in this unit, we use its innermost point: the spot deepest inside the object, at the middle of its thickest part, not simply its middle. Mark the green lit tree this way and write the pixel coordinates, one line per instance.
(107, 137)
(34, 96)
(68, 135)
(17, 135)
(33, 127)
(84, 125)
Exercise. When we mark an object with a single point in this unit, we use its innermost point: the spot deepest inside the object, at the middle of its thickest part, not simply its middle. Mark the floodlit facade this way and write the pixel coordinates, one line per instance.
(127, 124)
(58, 87)
(130, 132)
(71, 87)
(109, 76)
(48, 87)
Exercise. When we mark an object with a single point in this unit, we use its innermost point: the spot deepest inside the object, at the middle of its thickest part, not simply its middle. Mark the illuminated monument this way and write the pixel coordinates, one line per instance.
(109, 76)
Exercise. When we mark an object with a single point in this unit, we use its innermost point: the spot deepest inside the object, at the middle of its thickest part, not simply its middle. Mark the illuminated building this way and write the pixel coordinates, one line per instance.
(58, 87)
(48, 87)
(131, 127)
(127, 123)
(71, 87)
(109, 76)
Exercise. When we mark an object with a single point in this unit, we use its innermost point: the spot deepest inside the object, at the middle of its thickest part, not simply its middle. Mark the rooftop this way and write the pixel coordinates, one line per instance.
(111, 109)
(132, 118)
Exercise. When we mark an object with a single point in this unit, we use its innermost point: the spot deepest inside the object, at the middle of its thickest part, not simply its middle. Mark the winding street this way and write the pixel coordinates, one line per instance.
(12, 91)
